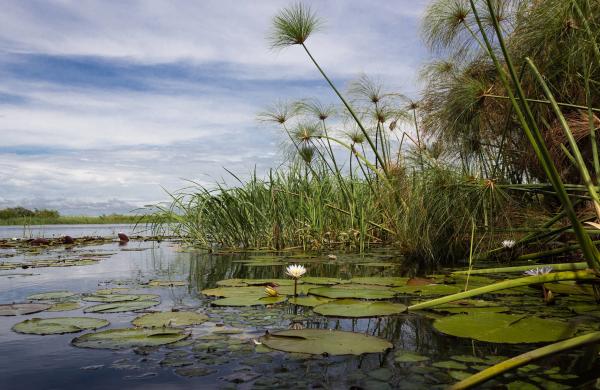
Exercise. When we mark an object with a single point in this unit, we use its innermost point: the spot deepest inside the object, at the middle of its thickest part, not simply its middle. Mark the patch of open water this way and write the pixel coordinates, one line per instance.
(233, 361)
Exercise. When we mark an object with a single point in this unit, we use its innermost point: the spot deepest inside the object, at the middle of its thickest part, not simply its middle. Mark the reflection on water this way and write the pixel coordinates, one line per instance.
(51, 231)
(50, 362)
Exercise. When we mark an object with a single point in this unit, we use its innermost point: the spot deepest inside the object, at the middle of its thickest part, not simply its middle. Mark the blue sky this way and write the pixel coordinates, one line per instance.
(105, 103)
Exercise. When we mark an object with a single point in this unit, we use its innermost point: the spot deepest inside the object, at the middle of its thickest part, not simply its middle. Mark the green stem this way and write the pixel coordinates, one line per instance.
(525, 281)
(526, 358)
(522, 268)
(576, 106)
(350, 110)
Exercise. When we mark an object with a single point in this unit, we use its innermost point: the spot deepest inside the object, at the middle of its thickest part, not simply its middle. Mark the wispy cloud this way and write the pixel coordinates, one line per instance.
(112, 100)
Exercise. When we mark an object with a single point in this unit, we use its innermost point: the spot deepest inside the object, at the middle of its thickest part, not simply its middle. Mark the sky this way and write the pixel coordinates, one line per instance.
(106, 105)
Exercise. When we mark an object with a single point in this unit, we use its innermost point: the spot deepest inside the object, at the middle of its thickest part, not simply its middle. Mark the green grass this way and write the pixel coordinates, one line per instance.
(75, 220)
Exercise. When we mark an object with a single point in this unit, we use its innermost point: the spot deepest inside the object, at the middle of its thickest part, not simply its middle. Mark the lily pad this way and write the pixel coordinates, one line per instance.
(232, 283)
(429, 289)
(65, 306)
(226, 292)
(330, 292)
(324, 280)
(59, 325)
(504, 328)
(310, 300)
(111, 298)
(248, 301)
(17, 309)
(356, 308)
(169, 319)
(323, 341)
(119, 307)
(409, 357)
(129, 338)
(468, 306)
(569, 288)
(51, 296)
(262, 282)
(167, 283)
(380, 280)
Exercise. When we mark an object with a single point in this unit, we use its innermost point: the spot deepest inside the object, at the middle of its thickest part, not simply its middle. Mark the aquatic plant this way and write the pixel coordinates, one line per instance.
(295, 272)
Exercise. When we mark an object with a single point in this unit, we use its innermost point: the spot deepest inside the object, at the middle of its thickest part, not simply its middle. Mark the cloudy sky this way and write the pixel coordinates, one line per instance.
(104, 104)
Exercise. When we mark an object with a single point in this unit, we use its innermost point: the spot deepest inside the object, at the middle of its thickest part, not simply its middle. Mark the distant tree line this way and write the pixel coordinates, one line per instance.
(19, 212)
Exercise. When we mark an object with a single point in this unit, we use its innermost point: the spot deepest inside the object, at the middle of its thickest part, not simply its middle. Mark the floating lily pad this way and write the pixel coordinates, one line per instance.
(471, 306)
(356, 308)
(310, 300)
(450, 364)
(17, 309)
(321, 341)
(59, 325)
(226, 292)
(380, 280)
(323, 280)
(248, 301)
(111, 298)
(587, 309)
(65, 306)
(377, 264)
(409, 357)
(262, 282)
(330, 292)
(232, 283)
(118, 307)
(167, 283)
(169, 319)
(429, 289)
(569, 288)
(51, 295)
(504, 328)
(129, 338)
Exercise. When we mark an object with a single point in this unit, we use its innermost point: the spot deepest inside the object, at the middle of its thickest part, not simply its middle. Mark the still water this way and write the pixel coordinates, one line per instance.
(52, 231)
(232, 361)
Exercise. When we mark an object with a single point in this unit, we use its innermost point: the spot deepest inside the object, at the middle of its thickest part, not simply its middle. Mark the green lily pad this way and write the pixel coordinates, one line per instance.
(17, 309)
(365, 293)
(377, 264)
(323, 341)
(248, 301)
(226, 292)
(429, 289)
(380, 280)
(129, 338)
(356, 308)
(59, 325)
(119, 307)
(504, 328)
(587, 309)
(232, 283)
(111, 298)
(310, 300)
(569, 288)
(471, 306)
(169, 319)
(323, 280)
(166, 283)
(51, 295)
(262, 282)
(409, 357)
(65, 306)
(450, 364)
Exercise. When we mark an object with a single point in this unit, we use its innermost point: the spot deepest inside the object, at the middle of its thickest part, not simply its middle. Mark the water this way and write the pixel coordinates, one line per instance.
(51, 362)
(51, 231)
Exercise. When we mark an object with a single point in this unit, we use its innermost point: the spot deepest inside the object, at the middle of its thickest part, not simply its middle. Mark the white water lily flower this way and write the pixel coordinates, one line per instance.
(538, 271)
(508, 243)
(256, 342)
(295, 271)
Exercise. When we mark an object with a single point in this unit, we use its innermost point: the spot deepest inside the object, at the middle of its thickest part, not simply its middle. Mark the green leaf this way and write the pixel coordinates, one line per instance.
(59, 325)
(17, 309)
(429, 289)
(380, 280)
(323, 341)
(129, 338)
(51, 295)
(111, 298)
(248, 301)
(364, 293)
(504, 328)
(119, 307)
(310, 300)
(356, 308)
(169, 319)
(65, 306)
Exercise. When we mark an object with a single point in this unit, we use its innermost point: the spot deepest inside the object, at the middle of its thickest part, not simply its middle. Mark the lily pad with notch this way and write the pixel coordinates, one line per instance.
(50, 296)
(59, 325)
(356, 308)
(170, 319)
(129, 338)
(17, 309)
(324, 341)
(504, 328)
